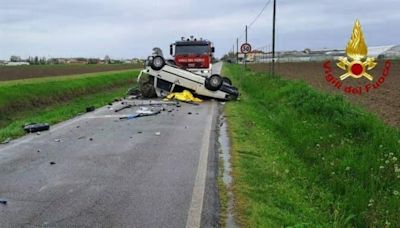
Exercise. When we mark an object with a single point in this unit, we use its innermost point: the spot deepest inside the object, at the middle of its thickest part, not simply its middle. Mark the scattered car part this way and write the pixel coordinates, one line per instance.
(133, 116)
(90, 109)
(150, 103)
(35, 127)
(3, 201)
(122, 108)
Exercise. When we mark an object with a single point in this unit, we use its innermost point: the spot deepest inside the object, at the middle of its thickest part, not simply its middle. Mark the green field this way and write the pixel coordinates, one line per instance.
(55, 99)
(302, 158)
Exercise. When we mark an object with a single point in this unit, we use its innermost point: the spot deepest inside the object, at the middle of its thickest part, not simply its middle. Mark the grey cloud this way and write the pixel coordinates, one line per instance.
(126, 28)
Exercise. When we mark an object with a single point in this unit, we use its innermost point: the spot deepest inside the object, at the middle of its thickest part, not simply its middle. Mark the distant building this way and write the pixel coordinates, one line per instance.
(76, 61)
(380, 52)
(17, 64)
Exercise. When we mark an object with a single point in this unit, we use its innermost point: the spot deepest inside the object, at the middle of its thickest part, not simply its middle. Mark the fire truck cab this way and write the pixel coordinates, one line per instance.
(194, 55)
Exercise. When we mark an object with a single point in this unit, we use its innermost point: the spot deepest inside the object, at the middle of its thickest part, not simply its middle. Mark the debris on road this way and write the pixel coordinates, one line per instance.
(52, 163)
(189, 113)
(127, 105)
(6, 141)
(57, 140)
(185, 96)
(90, 109)
(140, 114)
(3, 201)
(158, 133)
(123, 107)
(91, 139)
(35, 127)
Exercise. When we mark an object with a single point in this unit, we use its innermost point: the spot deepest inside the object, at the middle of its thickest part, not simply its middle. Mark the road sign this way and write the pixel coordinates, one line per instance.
(245, 48)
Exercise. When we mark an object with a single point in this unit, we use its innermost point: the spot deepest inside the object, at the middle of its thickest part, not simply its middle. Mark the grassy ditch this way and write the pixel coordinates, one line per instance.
(52, 100)
(303, 158)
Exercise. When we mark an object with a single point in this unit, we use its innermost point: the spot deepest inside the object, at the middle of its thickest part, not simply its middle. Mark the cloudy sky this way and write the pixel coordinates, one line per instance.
(131, 28)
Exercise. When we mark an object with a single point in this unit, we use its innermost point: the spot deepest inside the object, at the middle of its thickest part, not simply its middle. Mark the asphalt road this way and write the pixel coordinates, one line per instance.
(156, 171)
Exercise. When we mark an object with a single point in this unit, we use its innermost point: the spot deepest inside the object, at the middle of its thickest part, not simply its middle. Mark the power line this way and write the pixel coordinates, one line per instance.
(261, 12)
(256, 18)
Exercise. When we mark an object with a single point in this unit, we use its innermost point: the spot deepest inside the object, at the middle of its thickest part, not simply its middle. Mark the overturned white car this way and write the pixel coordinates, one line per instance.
(161, 77)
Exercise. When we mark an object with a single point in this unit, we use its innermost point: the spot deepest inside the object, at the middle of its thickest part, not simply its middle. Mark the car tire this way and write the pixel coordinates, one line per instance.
(214, 82)
(157, 63)
(227, 80)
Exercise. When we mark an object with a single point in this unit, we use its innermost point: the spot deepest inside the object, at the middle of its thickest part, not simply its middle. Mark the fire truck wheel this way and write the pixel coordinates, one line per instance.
(158, 63)
(227, 80)
(214, 82)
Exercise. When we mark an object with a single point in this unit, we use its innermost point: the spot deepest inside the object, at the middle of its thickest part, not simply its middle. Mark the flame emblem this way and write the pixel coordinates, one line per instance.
(356, 63)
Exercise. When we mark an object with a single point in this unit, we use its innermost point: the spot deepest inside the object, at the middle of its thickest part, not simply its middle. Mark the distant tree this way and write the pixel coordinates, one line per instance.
(93, 61)
(107, 59)
(81, 59)
(42, 61)
(53, 61)
(15, 58)
(36, 60)
(30, 60)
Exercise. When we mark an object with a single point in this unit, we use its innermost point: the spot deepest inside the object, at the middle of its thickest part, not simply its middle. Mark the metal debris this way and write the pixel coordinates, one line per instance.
(158, 133)
(35, 127)
(140, 114)
(57, 140)
(90, 109)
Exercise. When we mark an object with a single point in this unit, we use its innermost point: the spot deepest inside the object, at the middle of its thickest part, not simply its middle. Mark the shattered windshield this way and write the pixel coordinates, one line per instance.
(195, 49)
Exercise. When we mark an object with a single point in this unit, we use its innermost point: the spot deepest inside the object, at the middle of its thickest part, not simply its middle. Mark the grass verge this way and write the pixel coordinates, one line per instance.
(52, 100)
(302, 158)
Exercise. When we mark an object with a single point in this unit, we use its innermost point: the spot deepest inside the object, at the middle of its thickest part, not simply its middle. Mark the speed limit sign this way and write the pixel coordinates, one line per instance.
(245, 48)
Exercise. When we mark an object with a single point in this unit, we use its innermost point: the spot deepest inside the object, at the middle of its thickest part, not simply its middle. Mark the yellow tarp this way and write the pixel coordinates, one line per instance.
(185, 96)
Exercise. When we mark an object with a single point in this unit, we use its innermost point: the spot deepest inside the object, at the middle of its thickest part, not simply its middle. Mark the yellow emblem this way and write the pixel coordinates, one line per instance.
(356, 63)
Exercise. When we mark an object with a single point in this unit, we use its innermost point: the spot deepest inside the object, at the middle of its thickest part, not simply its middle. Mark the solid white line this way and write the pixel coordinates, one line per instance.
(196, 205)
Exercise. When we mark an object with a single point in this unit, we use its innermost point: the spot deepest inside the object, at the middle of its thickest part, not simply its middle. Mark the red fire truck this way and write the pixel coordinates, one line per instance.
(193, 54)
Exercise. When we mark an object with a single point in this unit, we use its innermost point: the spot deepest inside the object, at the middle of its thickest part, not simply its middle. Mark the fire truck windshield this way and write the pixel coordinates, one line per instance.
(192, 49)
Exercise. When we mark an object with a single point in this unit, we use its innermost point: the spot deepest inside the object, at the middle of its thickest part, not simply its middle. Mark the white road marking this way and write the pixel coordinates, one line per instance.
(196, 205)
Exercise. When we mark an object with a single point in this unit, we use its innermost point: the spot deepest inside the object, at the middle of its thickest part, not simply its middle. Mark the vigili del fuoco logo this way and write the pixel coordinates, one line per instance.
(356, 65)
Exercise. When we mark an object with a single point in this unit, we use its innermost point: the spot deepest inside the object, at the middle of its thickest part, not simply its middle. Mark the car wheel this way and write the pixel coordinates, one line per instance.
(227, 80)
(157, 63)
(214, 82)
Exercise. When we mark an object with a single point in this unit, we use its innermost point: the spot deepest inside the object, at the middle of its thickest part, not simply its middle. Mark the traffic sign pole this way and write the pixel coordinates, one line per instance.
(245, 54)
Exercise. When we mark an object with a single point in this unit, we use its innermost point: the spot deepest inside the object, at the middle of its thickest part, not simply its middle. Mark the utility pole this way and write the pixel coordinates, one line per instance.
(245, 55)
(237, 50)
(273, 39)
